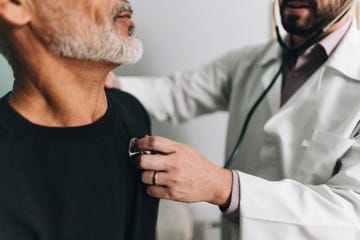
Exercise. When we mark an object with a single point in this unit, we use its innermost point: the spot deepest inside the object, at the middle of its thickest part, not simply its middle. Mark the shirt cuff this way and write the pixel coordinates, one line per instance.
(232, 212)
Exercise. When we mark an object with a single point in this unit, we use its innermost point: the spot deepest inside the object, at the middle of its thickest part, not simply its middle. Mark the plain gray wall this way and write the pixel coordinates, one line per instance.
(179, 35)
(6, 76)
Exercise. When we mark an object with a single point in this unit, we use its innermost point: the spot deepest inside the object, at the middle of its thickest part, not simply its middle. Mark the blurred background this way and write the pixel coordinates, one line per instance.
(180, 35)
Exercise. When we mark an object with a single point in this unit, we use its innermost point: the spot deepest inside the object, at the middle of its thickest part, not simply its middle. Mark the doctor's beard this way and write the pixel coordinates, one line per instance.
(319, 16)
(87, 40)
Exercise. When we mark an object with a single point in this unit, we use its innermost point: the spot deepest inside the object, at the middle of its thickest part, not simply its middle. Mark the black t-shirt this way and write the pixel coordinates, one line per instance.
(74, 183)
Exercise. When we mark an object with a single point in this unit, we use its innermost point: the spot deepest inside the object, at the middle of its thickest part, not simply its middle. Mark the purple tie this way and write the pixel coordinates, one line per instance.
(296, 73)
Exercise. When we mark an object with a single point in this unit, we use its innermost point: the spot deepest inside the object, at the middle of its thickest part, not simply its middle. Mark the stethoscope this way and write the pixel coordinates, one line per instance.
(287, 49)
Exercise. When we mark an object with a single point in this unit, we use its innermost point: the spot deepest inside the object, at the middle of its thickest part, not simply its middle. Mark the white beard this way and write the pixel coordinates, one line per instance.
(96, 43)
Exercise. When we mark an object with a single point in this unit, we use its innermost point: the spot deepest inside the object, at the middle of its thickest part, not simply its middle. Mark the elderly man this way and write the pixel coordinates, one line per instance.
(55, 181)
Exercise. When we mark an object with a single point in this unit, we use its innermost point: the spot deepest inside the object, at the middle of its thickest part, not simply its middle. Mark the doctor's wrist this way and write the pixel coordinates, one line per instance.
(222, 188)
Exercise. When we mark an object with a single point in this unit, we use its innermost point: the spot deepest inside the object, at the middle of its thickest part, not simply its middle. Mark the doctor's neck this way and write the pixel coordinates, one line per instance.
(298, 40)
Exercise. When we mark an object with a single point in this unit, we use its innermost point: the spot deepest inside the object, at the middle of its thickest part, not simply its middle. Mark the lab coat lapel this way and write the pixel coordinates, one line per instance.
(288, 121)
(344, 63)
(271, 58)
(347, 64)
(320, 110)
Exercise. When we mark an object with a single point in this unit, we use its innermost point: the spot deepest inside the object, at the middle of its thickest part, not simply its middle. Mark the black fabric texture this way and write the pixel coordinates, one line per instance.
(74, 183)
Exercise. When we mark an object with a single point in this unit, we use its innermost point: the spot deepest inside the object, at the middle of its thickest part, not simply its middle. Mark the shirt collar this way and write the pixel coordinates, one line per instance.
(329, 44)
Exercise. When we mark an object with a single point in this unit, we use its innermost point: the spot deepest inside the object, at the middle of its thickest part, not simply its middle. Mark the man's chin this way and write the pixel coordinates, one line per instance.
(131, 52)
(113, 53)
(128, 60)
(297, 30)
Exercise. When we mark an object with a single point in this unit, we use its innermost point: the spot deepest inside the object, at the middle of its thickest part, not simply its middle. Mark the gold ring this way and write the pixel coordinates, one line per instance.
(155, 178)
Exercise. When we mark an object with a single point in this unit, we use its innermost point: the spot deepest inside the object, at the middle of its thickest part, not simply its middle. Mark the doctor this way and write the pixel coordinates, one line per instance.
(296, 173)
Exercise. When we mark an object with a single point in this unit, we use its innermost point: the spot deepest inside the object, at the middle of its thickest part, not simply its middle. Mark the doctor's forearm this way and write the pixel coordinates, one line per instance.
(183, 95)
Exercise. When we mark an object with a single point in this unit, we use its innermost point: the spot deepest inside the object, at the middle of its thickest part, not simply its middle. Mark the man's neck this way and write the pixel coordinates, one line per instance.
(60, 92)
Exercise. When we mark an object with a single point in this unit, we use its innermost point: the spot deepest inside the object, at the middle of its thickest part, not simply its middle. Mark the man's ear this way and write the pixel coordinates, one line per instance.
(14, 12)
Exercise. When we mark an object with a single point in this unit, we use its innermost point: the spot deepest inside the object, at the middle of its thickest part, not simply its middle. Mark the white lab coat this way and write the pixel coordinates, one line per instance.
(286, 161)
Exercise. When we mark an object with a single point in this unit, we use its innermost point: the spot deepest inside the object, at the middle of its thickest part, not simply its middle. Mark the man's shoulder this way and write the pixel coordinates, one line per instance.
(131, 110)
(254, 48)
(252, 52)
(124, 100)
(249, 56)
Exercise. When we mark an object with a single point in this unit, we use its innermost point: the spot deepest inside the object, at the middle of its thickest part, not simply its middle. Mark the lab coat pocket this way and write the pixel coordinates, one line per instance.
(322, 152)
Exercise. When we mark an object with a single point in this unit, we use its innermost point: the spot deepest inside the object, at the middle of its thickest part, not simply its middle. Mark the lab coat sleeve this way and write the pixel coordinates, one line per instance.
(183, 95)
(290, 210)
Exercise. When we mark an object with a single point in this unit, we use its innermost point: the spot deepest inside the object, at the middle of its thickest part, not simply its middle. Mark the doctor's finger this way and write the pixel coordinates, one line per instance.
(156, 162)
(147, 177)
(159, 192)
(156, 143)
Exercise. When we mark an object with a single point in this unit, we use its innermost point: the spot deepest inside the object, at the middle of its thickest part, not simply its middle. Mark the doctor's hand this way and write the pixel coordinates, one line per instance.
(180, 173)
